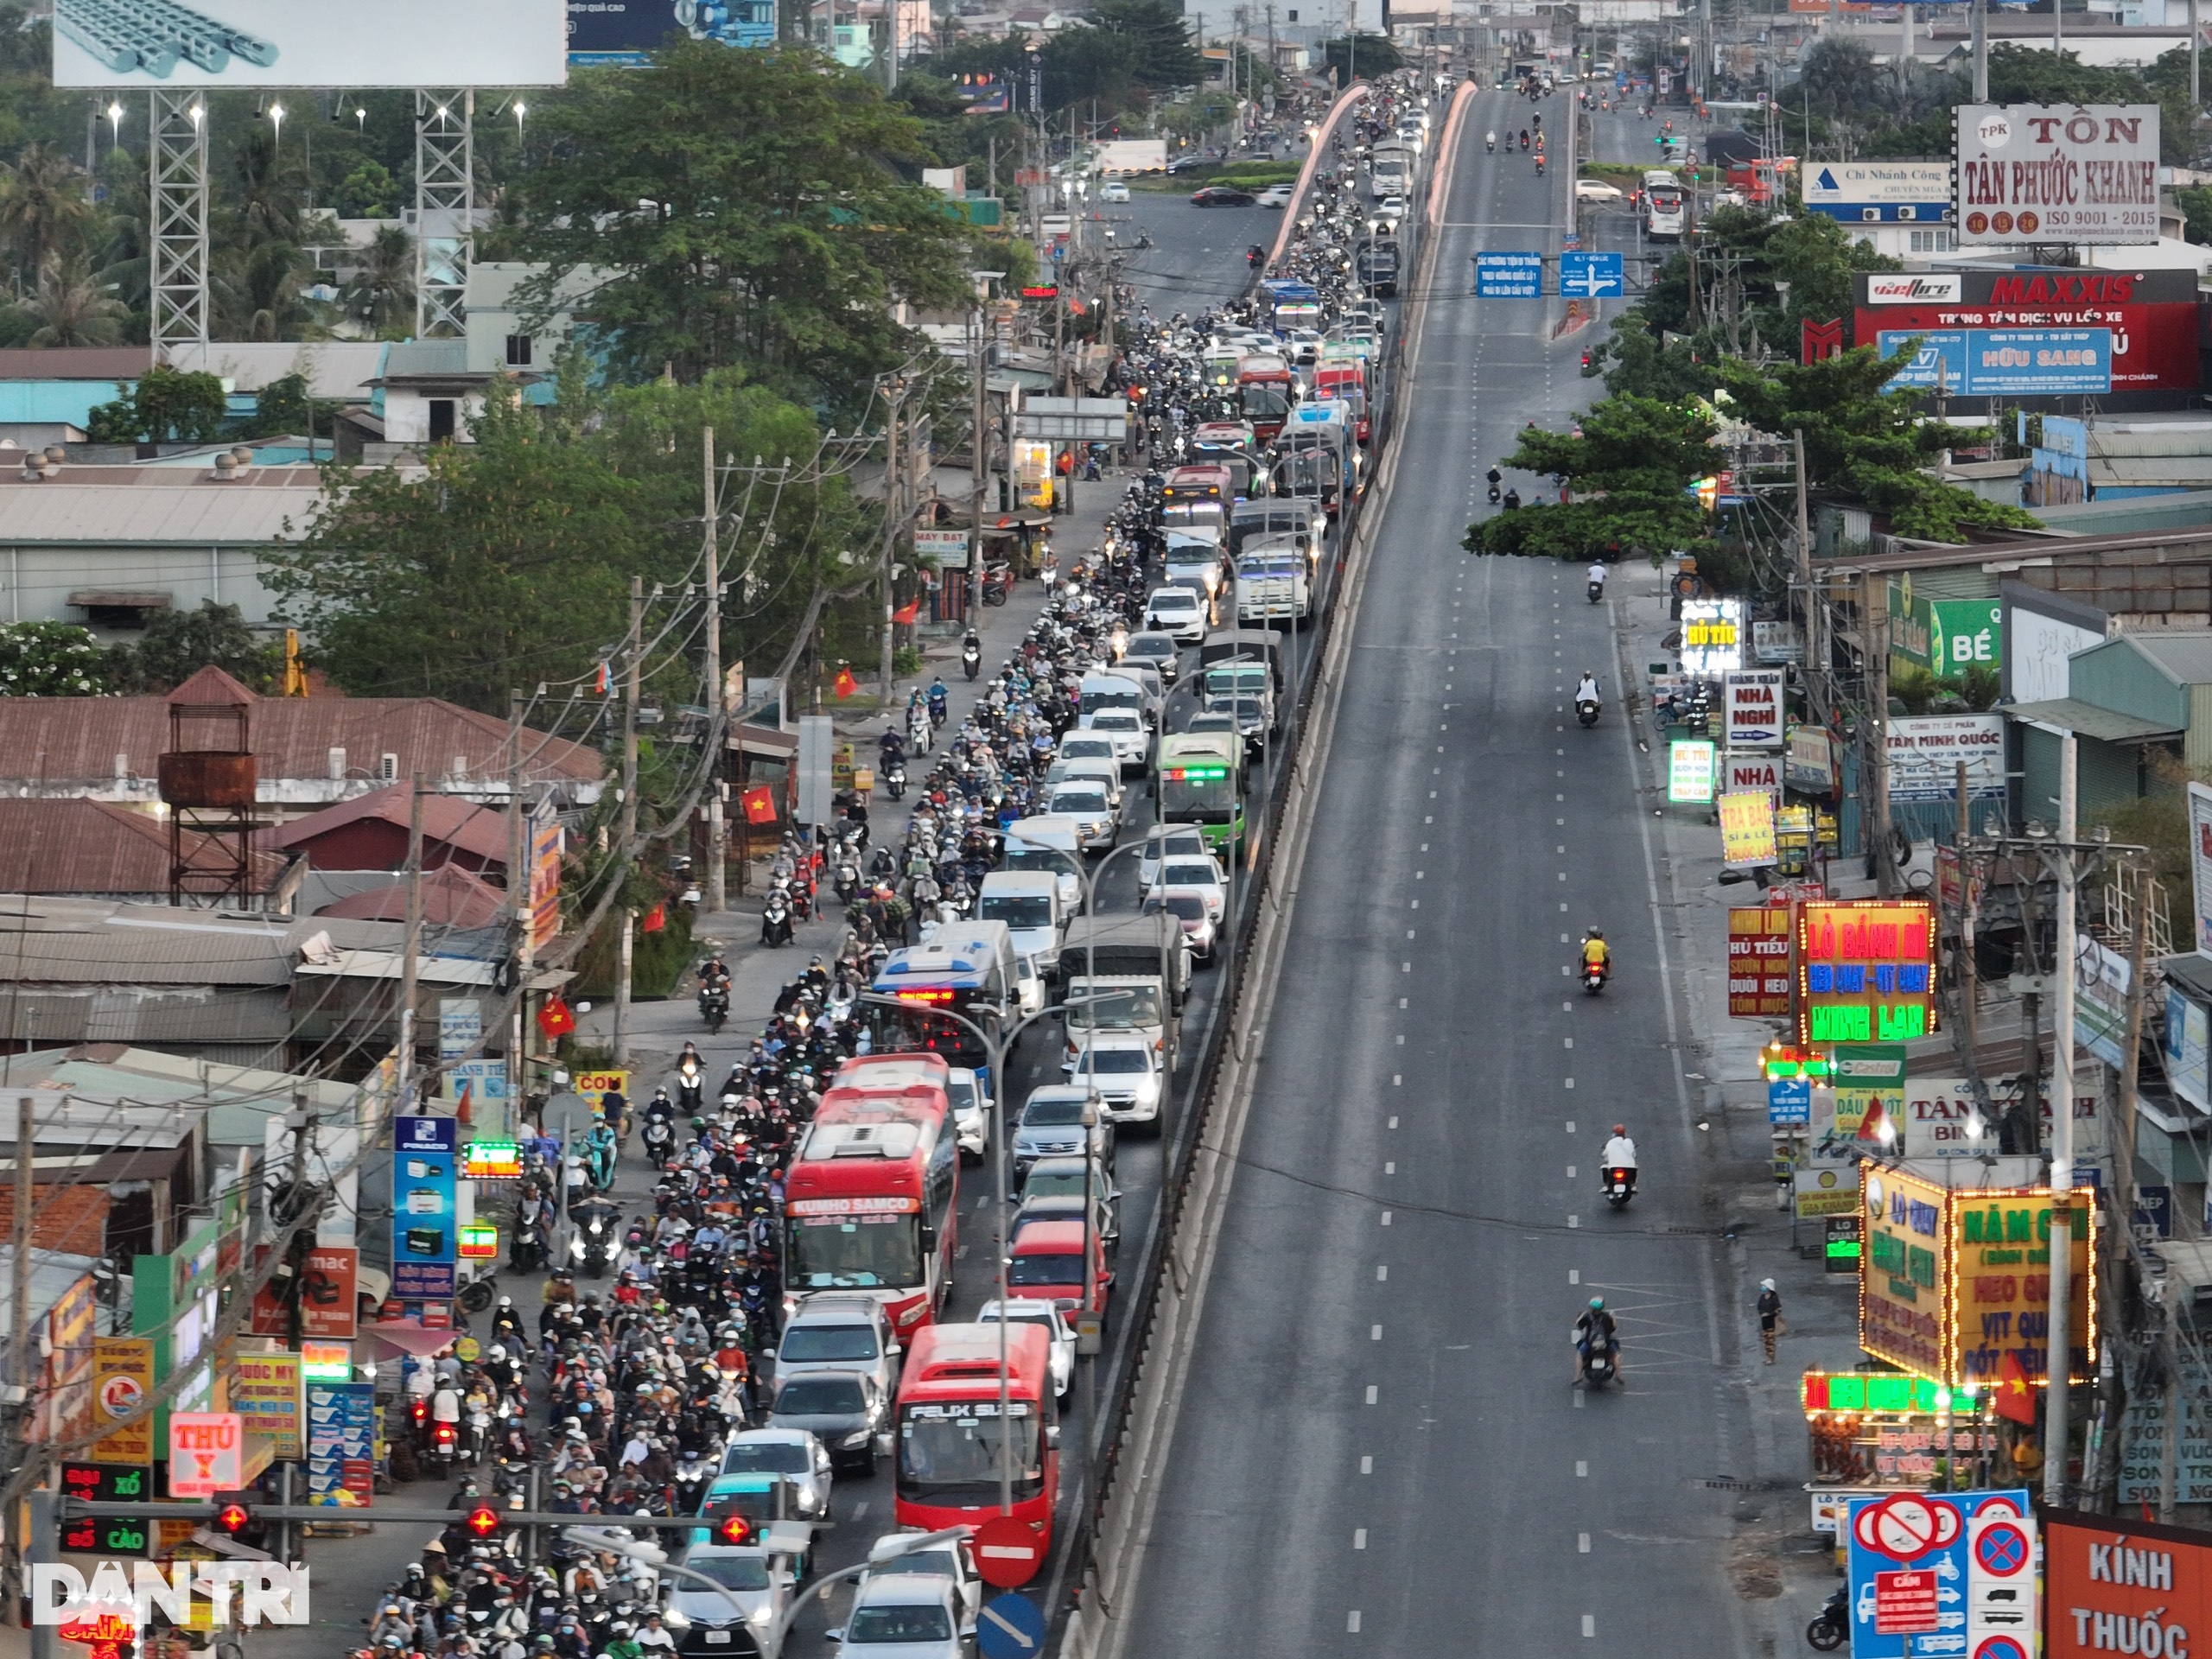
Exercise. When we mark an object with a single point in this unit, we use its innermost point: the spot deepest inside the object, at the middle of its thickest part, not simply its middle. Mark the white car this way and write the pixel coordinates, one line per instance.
(1162, 843)
(902, 1616)
(1113, 190)
(795, 1453)
(953, 1561)
(971, 1110)
(1107, 772)
(1122, 1069)
(1084, 746)
(1276, 195)
(1595, 190)
(1052, 1320)
(1126, 728)
(1176, 611)
(1202, 876)
(1085, 800)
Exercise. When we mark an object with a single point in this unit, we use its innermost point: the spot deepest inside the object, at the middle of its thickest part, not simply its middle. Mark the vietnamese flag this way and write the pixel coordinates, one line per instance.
(905, 615)
(759, 804)
(2015, 1400)
(555, 1018)
(654, 919)
(844, 685)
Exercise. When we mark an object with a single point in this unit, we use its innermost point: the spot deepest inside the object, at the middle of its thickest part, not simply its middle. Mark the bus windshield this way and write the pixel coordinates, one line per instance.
(1017, 910)
(1198, 794)
(1265, 402)
(855, 1252)
(953, 1450)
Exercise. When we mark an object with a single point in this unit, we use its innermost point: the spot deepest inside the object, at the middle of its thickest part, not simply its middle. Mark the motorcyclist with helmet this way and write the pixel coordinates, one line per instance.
(1596, 1332)
(1596, 953)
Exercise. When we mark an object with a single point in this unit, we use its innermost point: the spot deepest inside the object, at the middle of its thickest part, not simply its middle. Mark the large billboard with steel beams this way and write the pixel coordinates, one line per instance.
(281, 43)
(2057, 173)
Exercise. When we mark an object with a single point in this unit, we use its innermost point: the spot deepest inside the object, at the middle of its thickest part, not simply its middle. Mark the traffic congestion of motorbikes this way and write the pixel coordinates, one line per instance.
(646, 1371)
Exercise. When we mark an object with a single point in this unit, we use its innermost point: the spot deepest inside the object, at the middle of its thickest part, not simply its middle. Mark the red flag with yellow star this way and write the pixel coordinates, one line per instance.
(2016, 1399)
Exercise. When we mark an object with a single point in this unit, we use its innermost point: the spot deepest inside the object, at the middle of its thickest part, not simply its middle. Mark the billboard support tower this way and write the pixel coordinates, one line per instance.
(178, 201)
(445, 202)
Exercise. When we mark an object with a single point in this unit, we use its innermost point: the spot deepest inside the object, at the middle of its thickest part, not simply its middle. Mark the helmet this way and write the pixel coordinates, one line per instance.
(1597, 933)
(1597, 1301)
(1620, 1128)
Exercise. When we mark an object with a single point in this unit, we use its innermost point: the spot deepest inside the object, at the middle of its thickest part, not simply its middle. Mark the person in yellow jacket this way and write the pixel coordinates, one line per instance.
(1596, 953)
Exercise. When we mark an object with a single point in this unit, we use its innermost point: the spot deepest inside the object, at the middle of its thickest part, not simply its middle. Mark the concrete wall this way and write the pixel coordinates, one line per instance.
(36, 582)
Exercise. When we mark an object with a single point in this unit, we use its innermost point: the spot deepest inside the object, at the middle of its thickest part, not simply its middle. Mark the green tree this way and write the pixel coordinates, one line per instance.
(1632, 464)
(50, 659)
(1865, 440)
(1164, 57)
(381, 293)
(369, 192)
(71, 307)
(507, 561)
(179, 644)
(1363, 57)
(45, 210)
(747, 209)
(283, 407)
(167, 406)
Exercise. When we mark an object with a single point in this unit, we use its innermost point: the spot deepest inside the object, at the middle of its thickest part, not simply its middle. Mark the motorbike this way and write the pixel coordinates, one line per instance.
(971, 658)
(1495, 493)
(1831, 1627)
(894, 779)
(714, 1006)
(776, 921)
(998, 583)
(1619, 1184)
(660, 1143)
(593, 1247)
(445, 1443)
(1512, 501)
(1593, 978)
(1586, 712)
(527, 1253)
(1597, 591)
(1599, 1367)
(692, 1479)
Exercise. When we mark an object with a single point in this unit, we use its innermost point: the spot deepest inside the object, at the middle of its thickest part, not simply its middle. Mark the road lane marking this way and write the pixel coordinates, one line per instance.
(1367, 1465)
(1392, 1124)
(1574, 1221)
(1389, 1169)
(1375, 1333)
(1570, 1171)
(1589, 1624)
(1582, 1469)
(1582, 1542)
(1570, 1082)
(1569, 1041)
(1386, 1217)
(1574, 1275)
(1382, 1270)
(1351, 1624)
(1371, 1393)
(1359, 1537)
(1570, 1126)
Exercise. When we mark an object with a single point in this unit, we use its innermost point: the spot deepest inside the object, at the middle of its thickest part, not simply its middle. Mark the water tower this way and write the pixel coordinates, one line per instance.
(208, 781)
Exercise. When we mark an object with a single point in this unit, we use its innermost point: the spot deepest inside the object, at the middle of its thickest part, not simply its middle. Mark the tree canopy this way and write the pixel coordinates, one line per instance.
(1633, 463)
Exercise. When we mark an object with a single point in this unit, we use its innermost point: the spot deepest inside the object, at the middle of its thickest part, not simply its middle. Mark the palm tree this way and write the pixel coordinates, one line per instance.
(43, 208)
(382, 293)
(73, 307)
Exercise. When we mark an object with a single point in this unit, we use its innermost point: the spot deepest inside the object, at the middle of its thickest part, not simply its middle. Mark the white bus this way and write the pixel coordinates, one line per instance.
(1663, 213)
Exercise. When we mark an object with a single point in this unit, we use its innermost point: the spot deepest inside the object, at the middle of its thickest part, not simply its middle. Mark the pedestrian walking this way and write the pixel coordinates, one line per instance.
(1771, 1323)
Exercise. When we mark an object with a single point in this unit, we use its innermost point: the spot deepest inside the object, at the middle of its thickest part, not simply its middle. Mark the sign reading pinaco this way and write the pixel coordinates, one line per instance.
(2055, 172)
(248, 1593)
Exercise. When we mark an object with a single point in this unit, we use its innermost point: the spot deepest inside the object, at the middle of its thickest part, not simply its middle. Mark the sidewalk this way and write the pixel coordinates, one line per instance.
(658, 1030)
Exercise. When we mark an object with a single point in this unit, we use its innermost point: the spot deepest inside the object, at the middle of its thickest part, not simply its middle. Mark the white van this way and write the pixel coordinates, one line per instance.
(1047, 843)
(1028, 902)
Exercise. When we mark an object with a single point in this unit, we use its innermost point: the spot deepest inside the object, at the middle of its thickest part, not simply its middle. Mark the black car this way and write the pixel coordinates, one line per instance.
(1222, 196)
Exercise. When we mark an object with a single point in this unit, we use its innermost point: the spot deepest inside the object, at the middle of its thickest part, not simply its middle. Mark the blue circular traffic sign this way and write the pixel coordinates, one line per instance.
(1010, 1626)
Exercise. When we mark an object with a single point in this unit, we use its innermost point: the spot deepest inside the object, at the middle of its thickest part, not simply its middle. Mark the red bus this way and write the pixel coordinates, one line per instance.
(951, 1439)
(1266, 387)
(869, 1201)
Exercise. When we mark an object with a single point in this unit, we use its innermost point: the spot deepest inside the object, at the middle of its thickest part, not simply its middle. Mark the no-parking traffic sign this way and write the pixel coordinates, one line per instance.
(1929, 1535)
(2000, 1584)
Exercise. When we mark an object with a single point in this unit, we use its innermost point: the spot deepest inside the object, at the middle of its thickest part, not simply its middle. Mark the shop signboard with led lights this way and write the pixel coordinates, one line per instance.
(1865, 971)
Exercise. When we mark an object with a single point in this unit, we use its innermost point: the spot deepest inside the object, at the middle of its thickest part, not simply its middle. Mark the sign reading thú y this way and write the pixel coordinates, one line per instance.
(207, 1453)
(1864, 969)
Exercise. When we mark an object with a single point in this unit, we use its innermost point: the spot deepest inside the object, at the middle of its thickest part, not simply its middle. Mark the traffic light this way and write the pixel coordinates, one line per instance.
(734, 1529)
(482, 1521)
(233, 1518)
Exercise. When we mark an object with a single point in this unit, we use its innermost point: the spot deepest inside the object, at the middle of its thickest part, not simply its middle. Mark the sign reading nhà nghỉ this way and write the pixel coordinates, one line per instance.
(1864, 971)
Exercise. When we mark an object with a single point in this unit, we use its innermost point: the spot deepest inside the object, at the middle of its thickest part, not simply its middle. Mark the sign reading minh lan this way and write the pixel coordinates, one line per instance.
(258, 1592)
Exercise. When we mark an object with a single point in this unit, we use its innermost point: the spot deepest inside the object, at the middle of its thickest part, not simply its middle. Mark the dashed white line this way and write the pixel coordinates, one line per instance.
(1386, 1217)
(1367, 1465)
(1582, 1542)
(1570, 1171)
(1352, 1622)
(1375, 1333)
(1589, 1623)
(1359, 1537)
(1373, 1394)
(1382, 1270)
(1582, 1469)
(1389, 1169)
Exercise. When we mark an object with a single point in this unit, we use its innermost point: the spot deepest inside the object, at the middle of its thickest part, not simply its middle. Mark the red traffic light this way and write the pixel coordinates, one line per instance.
(483, 1521)
(233, 1518)
(734, 1529)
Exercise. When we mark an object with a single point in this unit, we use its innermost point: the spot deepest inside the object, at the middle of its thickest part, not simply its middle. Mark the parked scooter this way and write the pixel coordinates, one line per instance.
(1831, 1629)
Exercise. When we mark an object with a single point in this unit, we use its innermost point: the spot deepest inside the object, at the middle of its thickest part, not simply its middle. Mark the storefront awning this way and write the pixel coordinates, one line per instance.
(2089, 720)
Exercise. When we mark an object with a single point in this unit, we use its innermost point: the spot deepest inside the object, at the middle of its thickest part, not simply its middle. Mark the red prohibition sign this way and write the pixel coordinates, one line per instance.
(2000, 1647)
(1906, 1527)
(2001, 1549)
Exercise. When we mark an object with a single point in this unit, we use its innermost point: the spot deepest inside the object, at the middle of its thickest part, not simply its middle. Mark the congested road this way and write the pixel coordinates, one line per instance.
(1377, 1446)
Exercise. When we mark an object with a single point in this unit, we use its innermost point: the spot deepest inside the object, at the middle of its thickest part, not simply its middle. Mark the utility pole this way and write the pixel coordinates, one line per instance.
(410, 963)
(1816, 661)
(2196, 47)
(892, 496)
(1981, 51)
(2059, 1390)
(518, 898)
(20, 1234)
(1969, 987)
(632, 679)
(1874, 624)
(978, 455)
(717, 701)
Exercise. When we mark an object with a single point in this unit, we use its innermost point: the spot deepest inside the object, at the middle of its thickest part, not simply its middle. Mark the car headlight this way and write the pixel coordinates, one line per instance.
(854, 1441)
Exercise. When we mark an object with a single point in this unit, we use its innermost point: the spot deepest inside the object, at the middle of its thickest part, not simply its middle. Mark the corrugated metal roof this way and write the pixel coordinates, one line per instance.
(100, 941)
(480, 831)
(2187, 656)
(94, 1014)
(2089, 720)
(109, 363)
(92, 848)
(202, 514)
(334, 368)
(46, 740)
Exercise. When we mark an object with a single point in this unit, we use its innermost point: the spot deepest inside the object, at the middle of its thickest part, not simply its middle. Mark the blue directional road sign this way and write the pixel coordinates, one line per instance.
(1790, 1100)
(1592, 275)
(1010, 1626)
(1508, 275)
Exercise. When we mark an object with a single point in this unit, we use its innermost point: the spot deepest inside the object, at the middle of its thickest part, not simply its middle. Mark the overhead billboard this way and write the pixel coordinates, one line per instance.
(273, 43)
(1924, 752)
(2150, 315)
(1879, 193)
(628, 32)
(2057, 173)
(2004, 362)
(2114, 1583)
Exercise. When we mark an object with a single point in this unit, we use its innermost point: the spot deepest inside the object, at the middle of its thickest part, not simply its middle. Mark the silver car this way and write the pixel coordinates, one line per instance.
(796, 1455)
(1123, 1069)
(705, 1621)
(971, 1110)
(1050, 1319)
(833, 1331)
(902, 1616)
(953, 1560)
(1052, 1124)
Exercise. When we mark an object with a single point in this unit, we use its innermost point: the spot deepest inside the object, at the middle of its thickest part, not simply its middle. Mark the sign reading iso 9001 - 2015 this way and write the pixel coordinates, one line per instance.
(2057, 173)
